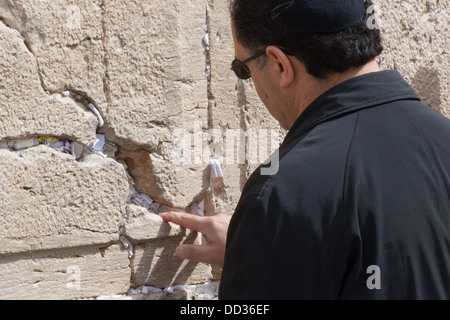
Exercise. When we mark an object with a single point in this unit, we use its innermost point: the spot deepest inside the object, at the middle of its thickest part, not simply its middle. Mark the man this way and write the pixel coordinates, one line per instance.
(359, 208)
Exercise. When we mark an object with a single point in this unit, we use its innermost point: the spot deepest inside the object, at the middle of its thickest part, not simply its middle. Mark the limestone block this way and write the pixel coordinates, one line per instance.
(142, 225)
(415, 36)
(26, 109)
(156, 69)
(78, 68)
(48, 22)
(48, 200)
(64, 275)
(66, 36)
(154, 263)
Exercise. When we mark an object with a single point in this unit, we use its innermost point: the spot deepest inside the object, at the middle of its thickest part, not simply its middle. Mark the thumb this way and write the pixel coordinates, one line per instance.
(199, 253)
(179, 252)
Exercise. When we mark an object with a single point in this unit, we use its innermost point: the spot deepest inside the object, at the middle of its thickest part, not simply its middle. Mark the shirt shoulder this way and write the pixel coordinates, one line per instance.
(315, 164)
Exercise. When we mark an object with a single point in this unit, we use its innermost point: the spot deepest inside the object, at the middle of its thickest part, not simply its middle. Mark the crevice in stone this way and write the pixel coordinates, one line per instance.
(133, 280)
(107, 129)
(62, 252)
(207, 46)
(76, 95)
(106, 86)
(83, 98)
(128, 245)
(72, 45)
(30, 49)
(243, 104)
(208, 70)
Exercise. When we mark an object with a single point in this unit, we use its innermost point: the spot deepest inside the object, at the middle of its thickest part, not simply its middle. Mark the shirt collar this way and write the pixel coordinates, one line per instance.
(366, 91)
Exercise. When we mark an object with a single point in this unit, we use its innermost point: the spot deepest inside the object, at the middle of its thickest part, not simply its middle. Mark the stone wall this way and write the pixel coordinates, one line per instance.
(109, 113)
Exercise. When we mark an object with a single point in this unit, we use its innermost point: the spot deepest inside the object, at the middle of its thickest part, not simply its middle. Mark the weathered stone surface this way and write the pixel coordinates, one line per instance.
(155, 264)
(156, 68)
(156, 83)
(142, 225)
(143, 68)
(165, 181)
(63, 275)
(66, 36)
(415, 35)
(48, 23)
(48, 200)
(25, 108)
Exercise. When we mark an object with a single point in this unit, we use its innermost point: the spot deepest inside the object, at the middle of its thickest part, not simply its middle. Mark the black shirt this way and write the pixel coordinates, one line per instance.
(359, 208)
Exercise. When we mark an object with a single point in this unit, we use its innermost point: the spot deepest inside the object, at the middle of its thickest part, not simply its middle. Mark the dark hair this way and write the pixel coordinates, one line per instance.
(321, 53)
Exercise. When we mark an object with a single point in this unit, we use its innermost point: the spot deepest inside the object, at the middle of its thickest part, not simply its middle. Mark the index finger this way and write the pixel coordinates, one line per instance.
(186, 220)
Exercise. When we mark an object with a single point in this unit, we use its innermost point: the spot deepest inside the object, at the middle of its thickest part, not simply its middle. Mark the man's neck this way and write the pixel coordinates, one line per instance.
(312, 88)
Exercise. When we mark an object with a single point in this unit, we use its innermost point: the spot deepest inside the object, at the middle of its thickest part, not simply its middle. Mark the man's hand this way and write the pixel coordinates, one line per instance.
(214, 228)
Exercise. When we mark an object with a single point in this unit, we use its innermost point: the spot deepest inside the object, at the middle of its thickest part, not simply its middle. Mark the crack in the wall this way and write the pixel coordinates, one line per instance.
(215, 182)
(243, 104)
(207, 46)
(106, 86)
(30, 49)
(110, 131)
(76, 95)
(83, 98)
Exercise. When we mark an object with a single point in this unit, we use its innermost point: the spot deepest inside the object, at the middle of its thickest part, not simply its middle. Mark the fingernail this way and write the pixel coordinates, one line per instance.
(179, 252)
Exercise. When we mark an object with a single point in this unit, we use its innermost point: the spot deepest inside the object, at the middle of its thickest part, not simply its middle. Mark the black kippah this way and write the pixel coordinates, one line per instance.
(318, 15)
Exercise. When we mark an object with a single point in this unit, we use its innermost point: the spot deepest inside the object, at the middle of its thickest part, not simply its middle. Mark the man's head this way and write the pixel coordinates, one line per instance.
(303, 42)
(325, 35)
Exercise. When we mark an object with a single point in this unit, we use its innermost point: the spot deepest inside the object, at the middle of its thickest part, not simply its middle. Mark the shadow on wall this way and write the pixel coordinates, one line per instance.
(427, 85)
(155, 264)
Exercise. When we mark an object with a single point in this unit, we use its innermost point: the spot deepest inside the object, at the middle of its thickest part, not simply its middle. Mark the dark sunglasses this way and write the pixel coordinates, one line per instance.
(240, 68)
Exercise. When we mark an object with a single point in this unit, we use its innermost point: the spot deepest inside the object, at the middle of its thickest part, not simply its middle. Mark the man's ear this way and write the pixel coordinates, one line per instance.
(283, 65)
